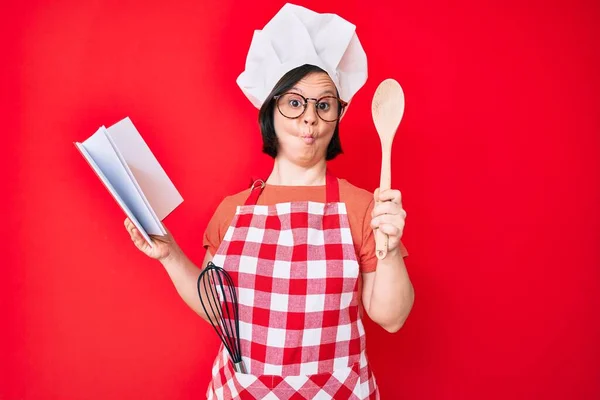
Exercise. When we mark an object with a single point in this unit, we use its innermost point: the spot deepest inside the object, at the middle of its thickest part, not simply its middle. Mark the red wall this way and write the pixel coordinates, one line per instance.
(497, 160)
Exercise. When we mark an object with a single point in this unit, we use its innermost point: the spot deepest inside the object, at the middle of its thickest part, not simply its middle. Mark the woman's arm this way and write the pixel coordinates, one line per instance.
(184, 275)
(388, 294)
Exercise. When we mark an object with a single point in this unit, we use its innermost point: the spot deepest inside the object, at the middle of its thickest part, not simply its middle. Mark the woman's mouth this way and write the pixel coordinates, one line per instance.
(308, 139)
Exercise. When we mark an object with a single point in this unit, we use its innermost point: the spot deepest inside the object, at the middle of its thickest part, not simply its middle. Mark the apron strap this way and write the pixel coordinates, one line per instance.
(255, 190)
(332, 190)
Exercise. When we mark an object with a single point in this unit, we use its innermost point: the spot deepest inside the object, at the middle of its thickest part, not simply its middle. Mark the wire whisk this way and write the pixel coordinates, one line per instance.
(221, 308)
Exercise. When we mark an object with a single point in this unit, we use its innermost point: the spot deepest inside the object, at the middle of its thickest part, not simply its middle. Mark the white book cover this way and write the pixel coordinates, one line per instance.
(132, 174)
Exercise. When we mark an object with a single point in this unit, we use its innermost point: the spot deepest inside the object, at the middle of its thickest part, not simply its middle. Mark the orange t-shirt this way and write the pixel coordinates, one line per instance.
(359, 204)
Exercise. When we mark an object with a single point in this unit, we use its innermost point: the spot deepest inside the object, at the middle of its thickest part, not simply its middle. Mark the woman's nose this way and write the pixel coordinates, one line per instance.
(310, 115)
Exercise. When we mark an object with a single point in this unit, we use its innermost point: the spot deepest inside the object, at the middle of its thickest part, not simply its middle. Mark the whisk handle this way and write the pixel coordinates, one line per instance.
(240, 367)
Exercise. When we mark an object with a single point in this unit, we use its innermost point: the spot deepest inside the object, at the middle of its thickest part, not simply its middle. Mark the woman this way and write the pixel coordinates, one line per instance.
(300, 244)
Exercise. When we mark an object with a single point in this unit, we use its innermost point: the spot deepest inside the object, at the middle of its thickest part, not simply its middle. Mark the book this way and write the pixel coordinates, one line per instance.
(132, 175)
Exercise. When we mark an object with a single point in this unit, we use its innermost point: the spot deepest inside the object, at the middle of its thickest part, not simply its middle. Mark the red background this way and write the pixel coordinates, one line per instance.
(496, 157)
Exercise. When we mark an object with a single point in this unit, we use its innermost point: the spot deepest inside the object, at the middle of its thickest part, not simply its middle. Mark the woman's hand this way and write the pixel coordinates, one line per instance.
(163, 246)
(388, 216)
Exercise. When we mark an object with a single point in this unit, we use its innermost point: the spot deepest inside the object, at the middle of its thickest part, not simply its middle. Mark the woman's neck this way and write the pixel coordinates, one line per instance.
(286, 173)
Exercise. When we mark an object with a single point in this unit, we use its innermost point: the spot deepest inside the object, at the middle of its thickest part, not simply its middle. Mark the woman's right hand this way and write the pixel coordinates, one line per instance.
(162, 246)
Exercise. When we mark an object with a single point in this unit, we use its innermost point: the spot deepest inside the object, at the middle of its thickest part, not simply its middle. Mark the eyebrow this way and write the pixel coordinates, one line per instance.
(328, 91)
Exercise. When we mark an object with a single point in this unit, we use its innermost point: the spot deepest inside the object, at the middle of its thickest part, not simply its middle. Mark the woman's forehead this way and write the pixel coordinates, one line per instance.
(315, 84)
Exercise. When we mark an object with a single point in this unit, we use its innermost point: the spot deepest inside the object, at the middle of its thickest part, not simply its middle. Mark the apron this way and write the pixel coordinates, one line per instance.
(296, 274)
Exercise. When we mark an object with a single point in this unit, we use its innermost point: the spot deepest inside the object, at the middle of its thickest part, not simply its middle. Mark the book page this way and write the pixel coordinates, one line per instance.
(134, 182)
(149, 174)
(103, 154)
(113, 192)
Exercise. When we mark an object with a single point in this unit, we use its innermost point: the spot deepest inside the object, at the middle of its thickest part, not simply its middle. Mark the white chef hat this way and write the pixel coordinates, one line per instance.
(297, 36)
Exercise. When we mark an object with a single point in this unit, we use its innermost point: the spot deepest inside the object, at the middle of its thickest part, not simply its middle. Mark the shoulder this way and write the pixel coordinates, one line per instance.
(357, 196)
(230, 202)
(221, 218)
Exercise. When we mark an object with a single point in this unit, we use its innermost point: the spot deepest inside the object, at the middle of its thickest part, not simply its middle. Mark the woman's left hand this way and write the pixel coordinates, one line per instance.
(389, 216)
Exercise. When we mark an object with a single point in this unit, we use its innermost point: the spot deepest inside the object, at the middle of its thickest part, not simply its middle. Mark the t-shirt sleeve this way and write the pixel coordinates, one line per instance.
(213, 235)
(368, 258)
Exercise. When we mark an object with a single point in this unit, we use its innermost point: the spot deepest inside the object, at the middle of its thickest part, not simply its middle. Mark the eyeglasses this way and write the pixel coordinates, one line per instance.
(293, 105)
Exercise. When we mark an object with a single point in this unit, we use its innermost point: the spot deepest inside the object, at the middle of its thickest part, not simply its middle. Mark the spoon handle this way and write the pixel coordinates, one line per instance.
(381, 239)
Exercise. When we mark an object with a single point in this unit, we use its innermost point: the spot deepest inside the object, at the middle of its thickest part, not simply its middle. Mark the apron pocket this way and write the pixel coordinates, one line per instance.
(343, 383)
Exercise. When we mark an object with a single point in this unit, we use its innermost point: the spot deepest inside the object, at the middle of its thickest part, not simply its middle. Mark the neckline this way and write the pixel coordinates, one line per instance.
(267, 185)
(332, 191)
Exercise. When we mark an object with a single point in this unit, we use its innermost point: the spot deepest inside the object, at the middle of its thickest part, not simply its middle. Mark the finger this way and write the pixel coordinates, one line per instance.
(139, 240)
(133, 231)
(391, 195)
(391, 209)
(137, 237)
(129, 226)
(376, 195)
(387, 219)
(389, 229)
(386, 208)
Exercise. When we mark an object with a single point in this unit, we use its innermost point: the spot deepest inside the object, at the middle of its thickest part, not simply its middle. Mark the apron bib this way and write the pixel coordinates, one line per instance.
(296, 274)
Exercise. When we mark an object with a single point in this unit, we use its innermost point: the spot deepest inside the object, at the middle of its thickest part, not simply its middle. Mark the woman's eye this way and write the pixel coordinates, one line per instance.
(324, 106)
(295, 103)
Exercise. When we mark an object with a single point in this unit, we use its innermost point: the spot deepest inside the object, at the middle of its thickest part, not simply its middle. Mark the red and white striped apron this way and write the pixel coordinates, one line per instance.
(296, 274)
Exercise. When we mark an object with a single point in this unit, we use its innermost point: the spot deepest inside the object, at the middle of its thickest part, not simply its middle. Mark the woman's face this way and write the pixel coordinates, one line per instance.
(304, 140)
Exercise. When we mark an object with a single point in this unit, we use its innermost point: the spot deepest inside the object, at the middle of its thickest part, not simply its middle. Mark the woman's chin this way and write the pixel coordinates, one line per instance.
(306, 157)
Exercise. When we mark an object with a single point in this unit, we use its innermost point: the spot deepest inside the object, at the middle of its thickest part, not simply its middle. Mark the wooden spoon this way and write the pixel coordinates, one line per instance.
(387, 110)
